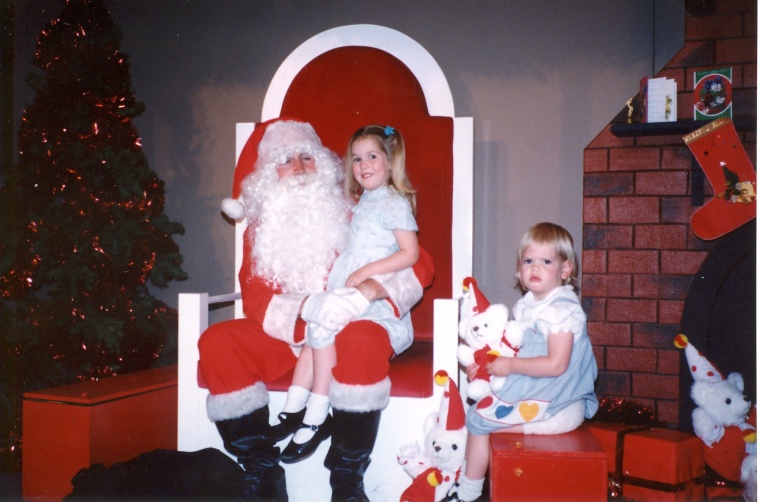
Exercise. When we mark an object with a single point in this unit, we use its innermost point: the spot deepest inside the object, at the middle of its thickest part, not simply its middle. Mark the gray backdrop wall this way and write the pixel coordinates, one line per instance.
(540, 78)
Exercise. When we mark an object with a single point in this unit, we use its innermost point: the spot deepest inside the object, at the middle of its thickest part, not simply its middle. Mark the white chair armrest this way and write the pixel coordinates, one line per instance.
(446, 337)
(193, 320)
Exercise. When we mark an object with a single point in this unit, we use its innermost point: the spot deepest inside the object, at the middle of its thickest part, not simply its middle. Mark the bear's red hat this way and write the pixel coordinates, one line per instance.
(480, 302)
(451, 413)
(701, 368)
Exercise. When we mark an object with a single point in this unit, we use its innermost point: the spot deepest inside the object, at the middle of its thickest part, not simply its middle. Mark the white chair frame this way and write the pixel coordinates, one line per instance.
(402, 421)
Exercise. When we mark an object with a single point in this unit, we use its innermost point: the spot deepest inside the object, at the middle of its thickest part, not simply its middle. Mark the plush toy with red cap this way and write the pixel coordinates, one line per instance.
(724, 419)
(487, 333)
(435, 468)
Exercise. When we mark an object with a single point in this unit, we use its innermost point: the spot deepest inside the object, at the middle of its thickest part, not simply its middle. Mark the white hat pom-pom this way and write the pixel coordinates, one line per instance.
(233, 208)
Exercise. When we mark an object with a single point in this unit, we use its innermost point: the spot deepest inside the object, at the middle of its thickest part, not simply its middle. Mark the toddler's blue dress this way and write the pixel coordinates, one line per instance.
(526, 399)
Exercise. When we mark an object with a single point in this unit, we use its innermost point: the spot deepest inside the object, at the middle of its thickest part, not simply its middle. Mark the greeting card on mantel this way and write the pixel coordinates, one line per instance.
(712, 94)
(659, 97)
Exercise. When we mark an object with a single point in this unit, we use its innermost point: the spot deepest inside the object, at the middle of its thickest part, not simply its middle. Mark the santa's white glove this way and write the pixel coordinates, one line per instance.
(354, 296)
(317, 332)
(329, 310)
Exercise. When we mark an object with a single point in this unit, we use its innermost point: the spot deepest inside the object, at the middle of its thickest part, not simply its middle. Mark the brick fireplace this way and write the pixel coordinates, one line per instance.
(640, 189)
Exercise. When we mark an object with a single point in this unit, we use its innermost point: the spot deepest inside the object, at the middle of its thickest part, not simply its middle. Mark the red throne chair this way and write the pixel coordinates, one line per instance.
(338, 81)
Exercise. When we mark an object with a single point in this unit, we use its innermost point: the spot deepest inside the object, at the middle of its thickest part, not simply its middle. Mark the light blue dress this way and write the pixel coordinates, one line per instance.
(526, 399)
(378, 213)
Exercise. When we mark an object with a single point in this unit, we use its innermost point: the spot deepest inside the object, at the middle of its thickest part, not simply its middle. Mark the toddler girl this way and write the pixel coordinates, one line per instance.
(550, 384)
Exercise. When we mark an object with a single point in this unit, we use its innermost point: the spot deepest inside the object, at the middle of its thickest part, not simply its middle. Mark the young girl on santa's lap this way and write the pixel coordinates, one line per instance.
(550, 384)
(382, 240)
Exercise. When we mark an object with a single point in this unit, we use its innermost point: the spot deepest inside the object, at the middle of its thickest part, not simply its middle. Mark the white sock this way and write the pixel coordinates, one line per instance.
(296, 399)
(316, 412)
(468, 489)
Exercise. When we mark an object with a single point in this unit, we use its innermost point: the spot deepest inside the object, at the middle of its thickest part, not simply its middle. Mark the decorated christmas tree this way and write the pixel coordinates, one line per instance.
(84, 229)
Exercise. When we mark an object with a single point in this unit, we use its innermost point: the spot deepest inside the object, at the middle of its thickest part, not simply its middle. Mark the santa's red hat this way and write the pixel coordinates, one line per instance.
(479, 301)
(451, 413)
(270, 140)
(701, 368)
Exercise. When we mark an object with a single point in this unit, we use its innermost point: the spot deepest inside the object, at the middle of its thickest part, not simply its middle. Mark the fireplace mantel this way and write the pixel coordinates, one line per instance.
(679, 127)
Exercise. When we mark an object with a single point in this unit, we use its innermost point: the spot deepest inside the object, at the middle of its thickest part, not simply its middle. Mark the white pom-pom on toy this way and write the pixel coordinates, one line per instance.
(233, 208)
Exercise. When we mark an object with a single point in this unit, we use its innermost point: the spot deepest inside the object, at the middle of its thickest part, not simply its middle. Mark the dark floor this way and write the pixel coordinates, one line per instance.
(10, 486)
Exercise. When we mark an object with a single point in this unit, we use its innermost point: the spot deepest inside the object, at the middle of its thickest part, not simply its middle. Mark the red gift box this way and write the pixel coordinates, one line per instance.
(107, 421)
(652, 463)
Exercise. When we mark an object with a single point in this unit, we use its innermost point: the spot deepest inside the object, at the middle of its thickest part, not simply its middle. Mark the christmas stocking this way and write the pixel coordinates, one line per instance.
(727, 166)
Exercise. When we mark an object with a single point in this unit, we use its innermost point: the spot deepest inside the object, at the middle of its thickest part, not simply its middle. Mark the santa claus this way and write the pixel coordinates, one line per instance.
(287, 185)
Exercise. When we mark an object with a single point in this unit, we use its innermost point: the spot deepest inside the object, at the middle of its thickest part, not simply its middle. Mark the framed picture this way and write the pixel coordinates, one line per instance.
(712, 94)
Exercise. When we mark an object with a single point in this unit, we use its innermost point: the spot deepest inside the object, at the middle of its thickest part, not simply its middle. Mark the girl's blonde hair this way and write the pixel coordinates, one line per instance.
(391, 143)
(554, 235)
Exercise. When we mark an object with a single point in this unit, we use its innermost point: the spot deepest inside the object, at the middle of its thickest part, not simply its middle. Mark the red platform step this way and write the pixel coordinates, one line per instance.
(535, 468)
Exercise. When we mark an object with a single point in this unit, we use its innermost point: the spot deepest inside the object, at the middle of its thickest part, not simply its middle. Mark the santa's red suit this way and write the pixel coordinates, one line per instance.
(238, 357)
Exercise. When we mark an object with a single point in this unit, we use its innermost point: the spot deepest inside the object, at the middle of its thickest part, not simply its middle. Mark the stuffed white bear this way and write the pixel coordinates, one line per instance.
(724, 419)
(435, 468)
(487, 335)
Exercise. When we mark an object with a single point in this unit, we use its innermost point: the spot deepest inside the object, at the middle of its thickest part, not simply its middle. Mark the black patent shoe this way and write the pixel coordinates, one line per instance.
(295, 452)
(452, 495)
(289, 423)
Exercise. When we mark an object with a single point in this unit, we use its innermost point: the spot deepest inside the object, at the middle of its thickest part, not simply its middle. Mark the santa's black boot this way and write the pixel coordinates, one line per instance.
(248, 438)
(353, 439)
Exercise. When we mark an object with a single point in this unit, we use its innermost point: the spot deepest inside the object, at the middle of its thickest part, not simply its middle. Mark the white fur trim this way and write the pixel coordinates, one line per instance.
(284, 137)
(237, 403)
(281, 315)
(233, 208)
(403, 289)
(360, 398)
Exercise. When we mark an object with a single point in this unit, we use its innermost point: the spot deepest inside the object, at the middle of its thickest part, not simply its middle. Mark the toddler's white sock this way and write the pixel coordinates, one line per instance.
(296, 399)
(468, 489)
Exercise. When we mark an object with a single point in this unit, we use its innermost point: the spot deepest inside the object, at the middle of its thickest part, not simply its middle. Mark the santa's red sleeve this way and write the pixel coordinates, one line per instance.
(278, 312)
(405, 288)
(263, 302)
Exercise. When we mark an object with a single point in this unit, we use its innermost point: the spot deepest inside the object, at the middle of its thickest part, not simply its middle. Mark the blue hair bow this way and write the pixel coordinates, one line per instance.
(389, 130)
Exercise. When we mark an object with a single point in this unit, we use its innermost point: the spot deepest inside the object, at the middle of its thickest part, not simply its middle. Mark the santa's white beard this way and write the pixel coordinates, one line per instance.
(301, 226)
